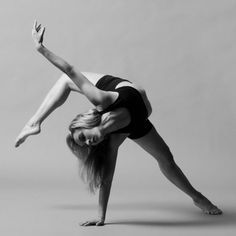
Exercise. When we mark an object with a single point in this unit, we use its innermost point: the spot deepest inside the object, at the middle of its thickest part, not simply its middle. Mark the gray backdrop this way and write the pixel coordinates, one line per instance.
(182, 52)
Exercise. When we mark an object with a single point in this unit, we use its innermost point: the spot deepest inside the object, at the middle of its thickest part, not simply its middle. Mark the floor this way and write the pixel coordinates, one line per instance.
(58, 210)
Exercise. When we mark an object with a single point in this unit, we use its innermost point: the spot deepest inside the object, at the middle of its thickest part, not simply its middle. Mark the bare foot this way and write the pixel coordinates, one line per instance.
(207, 207)
(27, 131)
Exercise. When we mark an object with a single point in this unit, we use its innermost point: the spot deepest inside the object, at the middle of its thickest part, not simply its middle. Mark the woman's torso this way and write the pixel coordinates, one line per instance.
(94, 78)
(129, 98)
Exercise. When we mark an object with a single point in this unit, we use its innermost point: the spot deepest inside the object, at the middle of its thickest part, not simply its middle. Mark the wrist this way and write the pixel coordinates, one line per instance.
(101, 218)
(101, 214)
(40, 47)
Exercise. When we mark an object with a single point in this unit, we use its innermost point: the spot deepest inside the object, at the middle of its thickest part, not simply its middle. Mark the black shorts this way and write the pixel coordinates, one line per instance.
(109, 83)
(142, 131)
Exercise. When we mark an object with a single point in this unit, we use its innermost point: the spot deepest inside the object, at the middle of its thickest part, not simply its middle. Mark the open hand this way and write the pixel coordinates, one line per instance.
(93, 223)
(37, 34)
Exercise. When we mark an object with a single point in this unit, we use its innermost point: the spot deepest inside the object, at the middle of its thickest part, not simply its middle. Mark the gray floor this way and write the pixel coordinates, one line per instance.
(57, 210)
(182, 53)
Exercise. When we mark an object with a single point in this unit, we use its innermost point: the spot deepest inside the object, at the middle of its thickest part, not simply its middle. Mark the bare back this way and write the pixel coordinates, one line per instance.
(95, 77)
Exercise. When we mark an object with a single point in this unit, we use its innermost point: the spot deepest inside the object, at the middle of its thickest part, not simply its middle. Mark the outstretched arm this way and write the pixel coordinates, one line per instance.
(98, 97)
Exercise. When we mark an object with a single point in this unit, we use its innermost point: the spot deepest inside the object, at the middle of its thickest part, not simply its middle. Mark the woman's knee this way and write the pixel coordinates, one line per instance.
(63, 79)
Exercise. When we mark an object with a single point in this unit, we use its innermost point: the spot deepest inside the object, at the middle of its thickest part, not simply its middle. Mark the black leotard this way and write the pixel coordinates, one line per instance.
(131, 99)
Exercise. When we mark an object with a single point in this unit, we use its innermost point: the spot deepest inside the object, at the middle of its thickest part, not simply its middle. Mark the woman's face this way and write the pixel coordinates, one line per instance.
(87, 136)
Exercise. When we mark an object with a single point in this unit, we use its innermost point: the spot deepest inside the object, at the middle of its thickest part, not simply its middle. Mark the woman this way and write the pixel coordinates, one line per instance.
(121, 110)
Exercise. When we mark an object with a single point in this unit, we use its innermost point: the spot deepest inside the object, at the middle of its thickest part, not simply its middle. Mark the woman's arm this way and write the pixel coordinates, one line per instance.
(104, 192)
(114, 120)
(105, 187)
(96, 96)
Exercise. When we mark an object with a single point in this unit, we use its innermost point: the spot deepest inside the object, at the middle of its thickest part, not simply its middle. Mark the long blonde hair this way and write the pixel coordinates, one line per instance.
(91, 158)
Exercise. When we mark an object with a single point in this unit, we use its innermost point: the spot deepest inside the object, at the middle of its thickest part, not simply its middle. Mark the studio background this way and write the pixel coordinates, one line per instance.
(182, 52)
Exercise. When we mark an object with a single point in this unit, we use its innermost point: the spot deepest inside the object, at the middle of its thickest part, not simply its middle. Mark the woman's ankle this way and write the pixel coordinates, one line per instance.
(198, 197)
(33, 123)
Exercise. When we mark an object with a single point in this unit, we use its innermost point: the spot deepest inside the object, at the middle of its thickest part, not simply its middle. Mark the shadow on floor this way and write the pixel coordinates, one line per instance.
(131, 206)
(197, 222)
(194, 217)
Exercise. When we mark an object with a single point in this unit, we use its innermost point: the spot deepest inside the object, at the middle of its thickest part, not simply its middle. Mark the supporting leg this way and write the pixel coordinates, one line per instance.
(155, 145)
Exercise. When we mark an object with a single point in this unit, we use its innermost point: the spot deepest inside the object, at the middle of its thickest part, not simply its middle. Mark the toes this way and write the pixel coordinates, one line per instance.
(83, 224)
(208, 208)
(88, 223)
(18, 142)
(215, 211)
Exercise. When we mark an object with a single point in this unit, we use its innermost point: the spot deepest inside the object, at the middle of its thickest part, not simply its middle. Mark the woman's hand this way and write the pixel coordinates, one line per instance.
(93, 223)
(37, 34)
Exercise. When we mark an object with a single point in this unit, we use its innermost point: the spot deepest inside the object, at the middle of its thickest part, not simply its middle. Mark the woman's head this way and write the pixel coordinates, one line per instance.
(85, 128)
(87, 144)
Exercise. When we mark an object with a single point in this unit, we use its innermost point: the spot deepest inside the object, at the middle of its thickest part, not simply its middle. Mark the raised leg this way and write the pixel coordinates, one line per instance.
(55, 98)
(155, 145)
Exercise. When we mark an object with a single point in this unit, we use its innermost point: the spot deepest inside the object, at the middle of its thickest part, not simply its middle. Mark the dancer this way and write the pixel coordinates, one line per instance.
(121, 110)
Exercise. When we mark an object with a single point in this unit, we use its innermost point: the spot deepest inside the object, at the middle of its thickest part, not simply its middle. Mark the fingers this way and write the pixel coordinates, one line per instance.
(35, 24)
(88, 223)
(41, 35)
(83, 224)
(38, 28)
(42, 32)
(38, 33)
(34, 29)
(92, 223)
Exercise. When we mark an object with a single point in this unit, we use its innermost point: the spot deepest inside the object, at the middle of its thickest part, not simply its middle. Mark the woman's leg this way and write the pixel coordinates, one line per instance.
(155, 145)
(55, 98)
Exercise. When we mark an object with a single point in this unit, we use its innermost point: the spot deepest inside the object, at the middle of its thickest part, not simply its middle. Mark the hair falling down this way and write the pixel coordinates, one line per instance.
(91, 161)
(91, 158)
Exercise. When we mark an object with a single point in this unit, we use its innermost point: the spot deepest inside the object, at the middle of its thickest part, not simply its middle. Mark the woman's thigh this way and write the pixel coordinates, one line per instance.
(93, 77)
(154, 144)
